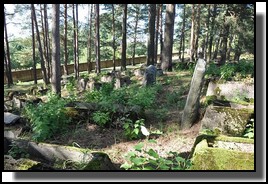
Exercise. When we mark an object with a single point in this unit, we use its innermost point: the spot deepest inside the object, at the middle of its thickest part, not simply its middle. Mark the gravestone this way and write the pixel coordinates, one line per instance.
(93, 85)
(10, 118)
(107, 78)
(231, 90)
(82, 83)
(190, 112)
(149, 76)
(122, 81)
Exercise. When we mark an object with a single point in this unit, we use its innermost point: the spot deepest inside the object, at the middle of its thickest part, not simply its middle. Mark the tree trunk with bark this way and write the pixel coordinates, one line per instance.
(33, 45)
(56, 70)
(192, 41)
(44, 73)
(197, 31)
(65, 66)
(212, 32)
(124, 39)
(150, 46)
(168, 39)
(97, 39)
(135, 35)
(157, 32)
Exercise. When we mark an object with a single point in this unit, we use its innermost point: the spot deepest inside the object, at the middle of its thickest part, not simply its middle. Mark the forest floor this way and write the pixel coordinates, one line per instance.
(112, 141)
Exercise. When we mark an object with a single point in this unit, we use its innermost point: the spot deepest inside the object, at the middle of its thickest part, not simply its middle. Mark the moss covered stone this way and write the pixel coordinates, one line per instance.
(100, 161)
(231, 121)
(26, 164)
(207, 157)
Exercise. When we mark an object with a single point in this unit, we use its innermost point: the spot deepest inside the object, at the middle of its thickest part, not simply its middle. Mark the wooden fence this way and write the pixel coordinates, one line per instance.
(27, 75)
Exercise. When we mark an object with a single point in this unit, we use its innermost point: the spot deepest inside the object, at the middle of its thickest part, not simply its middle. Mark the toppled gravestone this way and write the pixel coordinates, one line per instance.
(138, 72)
(228, 120)
(82, 83)
(51, 153)
(190, 112)
(222, 153)
(10, 118)
(107, 78)
(231, 90)
(149, 77)
(21, 164)
(93, 85)
(122, 81)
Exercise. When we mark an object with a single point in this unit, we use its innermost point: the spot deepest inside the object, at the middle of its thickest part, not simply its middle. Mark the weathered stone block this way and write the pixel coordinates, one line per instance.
(230, 121)
(219, 153)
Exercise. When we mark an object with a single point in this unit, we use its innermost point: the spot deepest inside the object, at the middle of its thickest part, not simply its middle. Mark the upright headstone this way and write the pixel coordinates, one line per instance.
(190, 112)
(149, 76)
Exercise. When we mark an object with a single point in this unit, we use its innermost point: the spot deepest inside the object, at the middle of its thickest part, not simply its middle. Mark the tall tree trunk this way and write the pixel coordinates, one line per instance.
(56, 70)
(216, 48)
(224, 41)
(65, 66)
(74, 32)
(135, 34)
(124, 39)
(33, 45)
(97, 38)
(197, 31)
(183, 38)
(192, 41)
(47, 44)
(76, 42)
(182, 33)
(150, 46)
(168, 39)
(7, 56)
(238, 49)
(207, 34)
(229, 48)
(114, 48)
(44, 73)
(212, 32)
(89, 44)
(157, 32)
(161, 33)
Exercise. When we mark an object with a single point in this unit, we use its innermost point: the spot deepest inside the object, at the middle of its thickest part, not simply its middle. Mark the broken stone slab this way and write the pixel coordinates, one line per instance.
(138, 72)
(122, 81)
(21, 164)
(222, 153)
(107, 78)
(159, 72)
(10, 118)
(228, 120)
(93, 85)
(82, 83)
(52, 153)
(231, 90)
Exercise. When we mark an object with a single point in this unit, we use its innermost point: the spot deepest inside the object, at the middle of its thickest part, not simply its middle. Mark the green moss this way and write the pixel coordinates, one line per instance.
(210, 99)
(234, 139)
(208, 158)
(222, 159)
(235, 121)
(25, 164)
(101, 161)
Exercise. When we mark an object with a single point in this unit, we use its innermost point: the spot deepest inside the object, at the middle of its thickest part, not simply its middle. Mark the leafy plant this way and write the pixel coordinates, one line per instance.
(17, 152)
(142, 159)
(249, 132)
(133, 130)
(47, 119)
(101, 118)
